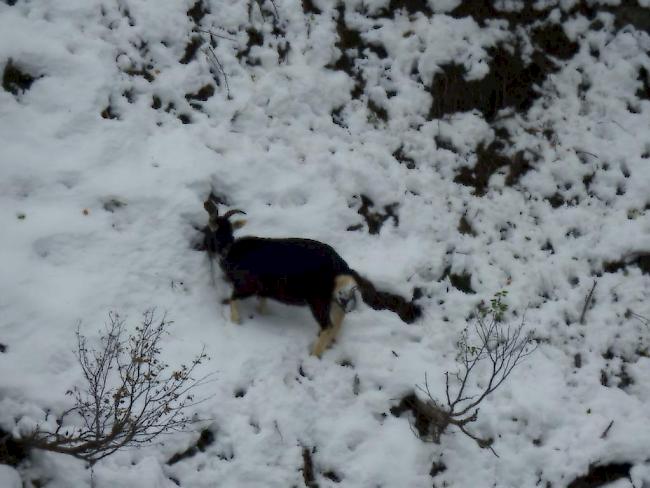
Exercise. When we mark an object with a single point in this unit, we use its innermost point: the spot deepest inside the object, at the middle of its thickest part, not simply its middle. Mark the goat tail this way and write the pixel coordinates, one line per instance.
(408, 311)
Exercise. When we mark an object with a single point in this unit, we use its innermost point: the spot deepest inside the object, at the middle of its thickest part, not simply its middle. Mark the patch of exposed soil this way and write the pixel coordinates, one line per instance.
(308, 468)
(644, 91)
(462, 282)
(642, 260)
(203, 94)
(490, 159)
(510, 83)
(375, 219)
(602, 474)
(428, 421)
(351, 45)
(400, 156)
(12, 452)
(109, 113)
(465, 228)
(15, 80)
(255, 38)
(205, 440)
(191, 49)
(308, 7)
(197, 11)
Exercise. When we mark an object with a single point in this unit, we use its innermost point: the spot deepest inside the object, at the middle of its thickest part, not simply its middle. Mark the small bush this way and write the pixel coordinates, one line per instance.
(492, 342)
(129, 396)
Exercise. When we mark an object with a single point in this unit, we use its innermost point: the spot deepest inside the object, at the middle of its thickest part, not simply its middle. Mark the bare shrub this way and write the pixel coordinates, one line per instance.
(129, 396)
(500, 346)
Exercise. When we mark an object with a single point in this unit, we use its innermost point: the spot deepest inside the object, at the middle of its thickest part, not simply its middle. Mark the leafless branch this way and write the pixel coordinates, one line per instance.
(492, 345)
(129, 396)
(214, 34)
(217, 66)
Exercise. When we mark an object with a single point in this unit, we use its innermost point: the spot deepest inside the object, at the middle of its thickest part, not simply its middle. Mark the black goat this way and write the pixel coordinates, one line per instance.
(296, 272)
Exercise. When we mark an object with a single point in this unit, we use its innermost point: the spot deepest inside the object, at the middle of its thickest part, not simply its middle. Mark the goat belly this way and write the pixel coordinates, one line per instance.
(293, 271)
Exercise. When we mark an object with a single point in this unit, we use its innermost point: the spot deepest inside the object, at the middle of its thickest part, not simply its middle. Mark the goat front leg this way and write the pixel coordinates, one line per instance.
(234, 311)
(261, 306)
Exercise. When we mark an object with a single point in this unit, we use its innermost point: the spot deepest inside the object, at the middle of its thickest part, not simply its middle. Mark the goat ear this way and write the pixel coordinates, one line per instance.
(211, 208)
(238, 224)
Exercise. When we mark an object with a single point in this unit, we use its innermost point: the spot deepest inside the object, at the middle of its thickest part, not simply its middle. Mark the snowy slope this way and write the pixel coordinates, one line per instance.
(108, 155)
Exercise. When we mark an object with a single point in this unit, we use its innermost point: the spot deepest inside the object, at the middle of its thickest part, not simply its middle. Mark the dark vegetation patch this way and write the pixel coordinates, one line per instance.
(113, 204)
(197, 11)
(444, 143)
(610, 371)
(630, 13)
(642, 260)
(375, 219)
(400, 156)
(510, 83)
(109, 113)
(144, 71)
(462, 282)
(337, 117)
(411, 6)
(351, 45)
(437, 467)
(465, 228)
(422, 413)
(556, 200)
(191, 49)
(644, 91)
(206, 438)
(308, 7)
(377, 110)
(602, 474)
(255, 38)
(12, 452)
(15, 80)
(552, 40)
(129, 95)
(332, 476)
(185, 118)
(202, 95)
(156, 102)
(308, 468)
(489, 159)
(577, 360)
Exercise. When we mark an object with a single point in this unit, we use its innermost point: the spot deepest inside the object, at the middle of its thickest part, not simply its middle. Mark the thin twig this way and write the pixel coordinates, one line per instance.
(606, 431)
(580, 151)
(212, 56)
(586, 305)
(220, 36)
(644, 320)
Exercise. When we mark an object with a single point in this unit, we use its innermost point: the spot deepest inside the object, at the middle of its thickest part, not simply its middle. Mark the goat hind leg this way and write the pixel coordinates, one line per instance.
(321, 311)
(261, 306)
(333, 314)
(234, 312)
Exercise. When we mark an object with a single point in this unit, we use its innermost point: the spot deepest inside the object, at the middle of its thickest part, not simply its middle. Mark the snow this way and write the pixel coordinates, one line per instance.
(69, 255)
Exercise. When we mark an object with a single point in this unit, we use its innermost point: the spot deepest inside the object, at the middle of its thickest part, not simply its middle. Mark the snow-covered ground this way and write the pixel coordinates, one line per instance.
(101, 191)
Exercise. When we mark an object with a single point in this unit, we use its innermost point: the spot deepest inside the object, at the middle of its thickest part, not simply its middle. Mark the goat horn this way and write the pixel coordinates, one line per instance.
(232, 212)
(211, 207)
